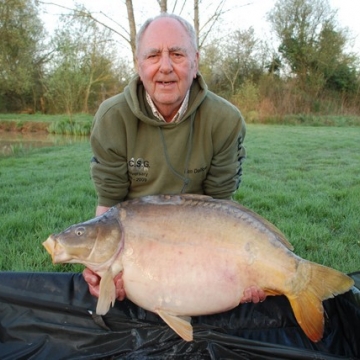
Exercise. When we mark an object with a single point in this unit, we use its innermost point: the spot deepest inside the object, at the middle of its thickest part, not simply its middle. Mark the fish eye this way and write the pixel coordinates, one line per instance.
(79, 230)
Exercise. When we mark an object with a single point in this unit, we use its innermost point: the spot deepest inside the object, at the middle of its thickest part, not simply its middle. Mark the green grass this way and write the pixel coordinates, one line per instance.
(76, 124)
(42, 192)
(315, 120)
(43, 117)
(306, 180)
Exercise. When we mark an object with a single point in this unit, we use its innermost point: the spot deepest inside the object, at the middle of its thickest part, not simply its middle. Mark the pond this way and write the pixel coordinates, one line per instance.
(12, 141)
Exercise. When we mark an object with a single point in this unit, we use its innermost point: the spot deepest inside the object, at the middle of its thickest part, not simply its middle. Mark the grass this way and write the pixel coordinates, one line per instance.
(315, 120)
(76, 124)
(42, 192)
(21, 118)
(80, 124)
(306, 180)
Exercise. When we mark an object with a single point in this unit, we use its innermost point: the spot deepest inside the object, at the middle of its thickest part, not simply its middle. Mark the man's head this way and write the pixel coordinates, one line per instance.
(167, 60)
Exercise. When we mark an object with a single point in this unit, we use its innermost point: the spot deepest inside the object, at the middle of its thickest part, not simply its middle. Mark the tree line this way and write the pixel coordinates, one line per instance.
(310, 70)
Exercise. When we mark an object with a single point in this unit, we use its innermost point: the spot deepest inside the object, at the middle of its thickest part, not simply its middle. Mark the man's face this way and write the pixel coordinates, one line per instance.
(167, 64)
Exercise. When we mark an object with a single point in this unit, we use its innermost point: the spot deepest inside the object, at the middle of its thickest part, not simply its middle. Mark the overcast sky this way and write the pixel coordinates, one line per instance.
(243, 14)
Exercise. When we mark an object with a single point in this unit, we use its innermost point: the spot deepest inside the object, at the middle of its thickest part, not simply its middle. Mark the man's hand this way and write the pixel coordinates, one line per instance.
(93, 281)
(253, 294)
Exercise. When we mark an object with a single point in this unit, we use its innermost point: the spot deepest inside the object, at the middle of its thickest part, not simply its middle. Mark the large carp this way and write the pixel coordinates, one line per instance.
(190, 255)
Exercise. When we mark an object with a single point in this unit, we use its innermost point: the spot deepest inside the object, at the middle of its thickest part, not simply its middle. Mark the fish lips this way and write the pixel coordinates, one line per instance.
(57, 252)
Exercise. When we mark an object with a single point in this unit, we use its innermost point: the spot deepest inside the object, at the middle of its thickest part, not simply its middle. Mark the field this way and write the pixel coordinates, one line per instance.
(305, 180)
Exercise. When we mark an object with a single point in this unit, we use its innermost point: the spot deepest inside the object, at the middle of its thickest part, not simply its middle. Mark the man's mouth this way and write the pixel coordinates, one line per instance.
(166, 82)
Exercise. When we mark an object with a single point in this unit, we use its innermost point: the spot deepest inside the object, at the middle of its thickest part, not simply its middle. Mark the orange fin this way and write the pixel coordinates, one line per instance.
(106, 294)
(181, 325)
(309, 313)
(323, 283)
(272, 292)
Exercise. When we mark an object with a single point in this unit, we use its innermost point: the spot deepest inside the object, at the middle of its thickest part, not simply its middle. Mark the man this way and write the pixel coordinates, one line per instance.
(166, 133)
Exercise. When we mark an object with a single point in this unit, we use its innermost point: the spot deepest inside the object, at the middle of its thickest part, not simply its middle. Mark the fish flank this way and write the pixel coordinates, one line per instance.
(229, 207)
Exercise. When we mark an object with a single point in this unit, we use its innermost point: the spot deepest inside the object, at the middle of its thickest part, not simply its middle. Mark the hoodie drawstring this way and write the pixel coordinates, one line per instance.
(185, 179)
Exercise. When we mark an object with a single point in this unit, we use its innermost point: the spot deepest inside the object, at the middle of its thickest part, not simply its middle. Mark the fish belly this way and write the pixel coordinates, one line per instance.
(183, 279)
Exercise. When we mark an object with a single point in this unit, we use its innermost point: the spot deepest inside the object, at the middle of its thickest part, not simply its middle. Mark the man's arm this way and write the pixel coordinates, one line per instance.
(224, 175)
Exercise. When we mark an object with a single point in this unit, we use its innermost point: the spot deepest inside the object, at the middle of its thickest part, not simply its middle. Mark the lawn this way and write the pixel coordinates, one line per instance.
(305, 180)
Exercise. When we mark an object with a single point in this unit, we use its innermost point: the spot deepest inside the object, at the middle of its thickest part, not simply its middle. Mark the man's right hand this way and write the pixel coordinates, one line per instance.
(93, 282)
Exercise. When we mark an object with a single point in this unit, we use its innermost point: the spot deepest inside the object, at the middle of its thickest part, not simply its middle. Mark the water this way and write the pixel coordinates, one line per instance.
(11, 141)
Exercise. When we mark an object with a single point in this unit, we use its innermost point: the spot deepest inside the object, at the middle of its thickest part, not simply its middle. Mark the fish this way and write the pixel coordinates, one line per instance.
(191, 255)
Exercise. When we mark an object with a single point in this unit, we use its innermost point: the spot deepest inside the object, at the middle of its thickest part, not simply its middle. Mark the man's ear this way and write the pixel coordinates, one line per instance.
(137, 65)
(196, 64)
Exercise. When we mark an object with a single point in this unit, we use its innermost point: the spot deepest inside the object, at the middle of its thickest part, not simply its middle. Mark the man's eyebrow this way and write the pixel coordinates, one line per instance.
(178, 49)
(153, 51)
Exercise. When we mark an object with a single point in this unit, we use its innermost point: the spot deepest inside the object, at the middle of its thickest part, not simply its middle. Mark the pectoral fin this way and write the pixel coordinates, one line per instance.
(181, 325)
(107, 293)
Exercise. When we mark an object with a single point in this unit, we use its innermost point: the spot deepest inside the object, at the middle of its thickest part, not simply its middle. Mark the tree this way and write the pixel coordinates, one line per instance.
(163, 5)
(310, 42)
(21, 33)
(337, 68)
(83, 61)
(132, 27)
(211, 57)
(228, 65)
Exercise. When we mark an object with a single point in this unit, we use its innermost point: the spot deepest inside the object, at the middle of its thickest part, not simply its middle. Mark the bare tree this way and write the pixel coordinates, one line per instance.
(132, 27)
(240, 58)
(203, 28)
(197, 20)
(163, 5)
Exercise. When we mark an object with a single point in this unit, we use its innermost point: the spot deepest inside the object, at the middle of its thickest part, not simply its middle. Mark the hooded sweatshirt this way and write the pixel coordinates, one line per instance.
(136, 154)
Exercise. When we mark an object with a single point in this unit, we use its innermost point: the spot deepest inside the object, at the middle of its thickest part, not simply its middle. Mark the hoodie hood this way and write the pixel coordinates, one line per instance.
(135, 96)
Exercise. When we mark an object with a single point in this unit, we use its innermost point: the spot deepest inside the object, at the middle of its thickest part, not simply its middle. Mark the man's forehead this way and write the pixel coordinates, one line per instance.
(166, 29)
(165, 34)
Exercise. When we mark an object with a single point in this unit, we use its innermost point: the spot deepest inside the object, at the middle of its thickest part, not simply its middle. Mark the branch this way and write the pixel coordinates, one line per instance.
(90, 16)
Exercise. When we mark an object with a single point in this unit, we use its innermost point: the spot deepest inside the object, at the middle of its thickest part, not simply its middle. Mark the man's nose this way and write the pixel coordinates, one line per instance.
(165, 63)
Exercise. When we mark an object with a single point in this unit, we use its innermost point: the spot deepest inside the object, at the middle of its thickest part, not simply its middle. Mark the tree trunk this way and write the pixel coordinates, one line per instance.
(132, 27)
(163, 5)
(196, 20)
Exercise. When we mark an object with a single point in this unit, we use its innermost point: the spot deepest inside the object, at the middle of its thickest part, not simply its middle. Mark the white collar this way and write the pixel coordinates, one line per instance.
(177, 116)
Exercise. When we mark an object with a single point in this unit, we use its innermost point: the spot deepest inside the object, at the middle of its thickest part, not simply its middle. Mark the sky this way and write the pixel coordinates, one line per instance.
(242, 14)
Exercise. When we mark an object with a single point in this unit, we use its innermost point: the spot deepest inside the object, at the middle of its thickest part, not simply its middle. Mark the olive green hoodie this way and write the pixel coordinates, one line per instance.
(136, 154)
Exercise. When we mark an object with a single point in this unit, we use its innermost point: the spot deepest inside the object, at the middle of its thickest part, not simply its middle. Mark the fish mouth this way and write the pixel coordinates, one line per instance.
(49, 245)
(57, 252)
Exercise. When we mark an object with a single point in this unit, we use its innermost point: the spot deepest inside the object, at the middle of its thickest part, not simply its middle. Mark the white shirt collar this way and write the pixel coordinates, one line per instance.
(177, 116)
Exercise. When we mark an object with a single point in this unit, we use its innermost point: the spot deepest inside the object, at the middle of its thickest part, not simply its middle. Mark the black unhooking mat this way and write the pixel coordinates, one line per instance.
(51, 316)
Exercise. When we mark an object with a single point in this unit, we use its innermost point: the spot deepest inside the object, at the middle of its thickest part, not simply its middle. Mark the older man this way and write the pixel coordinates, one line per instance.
(166, 133)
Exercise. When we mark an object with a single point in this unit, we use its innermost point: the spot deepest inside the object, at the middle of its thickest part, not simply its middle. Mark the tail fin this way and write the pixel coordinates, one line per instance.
(322, 283)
